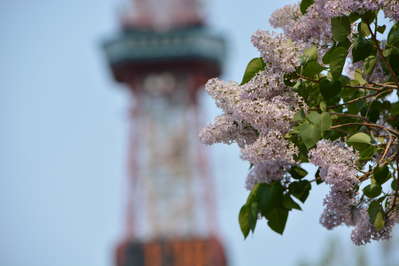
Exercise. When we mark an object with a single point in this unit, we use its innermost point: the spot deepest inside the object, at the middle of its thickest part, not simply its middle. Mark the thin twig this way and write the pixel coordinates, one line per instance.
(350, 115)
(385, 85)
(376, 95)
(388, 130)
(365, 176)
(390, 141)
(374, 37)
(366, 87)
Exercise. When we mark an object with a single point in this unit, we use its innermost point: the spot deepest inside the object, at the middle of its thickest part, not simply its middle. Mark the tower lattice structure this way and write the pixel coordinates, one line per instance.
(164, 54)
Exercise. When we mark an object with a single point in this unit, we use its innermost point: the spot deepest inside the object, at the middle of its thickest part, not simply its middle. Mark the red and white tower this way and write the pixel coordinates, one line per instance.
(164, 54)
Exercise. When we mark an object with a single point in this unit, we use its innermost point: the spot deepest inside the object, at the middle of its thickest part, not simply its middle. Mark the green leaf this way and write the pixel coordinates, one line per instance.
(325, 122)
(359, 77)
(314, 117)
(323, 106)
(366, 151)
(387, 52)
(362, 48)
(393, 59)
(359, 138)
(395, 109)
(300, 189)
(393, 36)
(379, 221)
(336, 58)
(270, 196)
(341, 28)
(329, 89)
(394, 184)
(290, 204)
(254, 216)
(364, 29)
(305, 4)
(310, 54)
(299, 116)
(244, 219)
(312, 69)
(254, 66)
(353, 17)
(310, 134)
(381, 174)
(334, 53)
(369, 64)
(277, 219)
(381, 29)
(373, 209)
(318, 177)
(362, 142)
(368, 16)
(254, 195)
(372, 190)
(297, 172)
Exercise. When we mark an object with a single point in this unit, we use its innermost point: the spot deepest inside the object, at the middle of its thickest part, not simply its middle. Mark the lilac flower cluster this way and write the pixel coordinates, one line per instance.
(279, 51)
(257, 124)
(260, 112)
(270, 147)
(283, 17)
(314, 26)
(265, 172)
(391, 9)
(311, 28)
(339, 206)
(266, 115)
(329, 153)
(337, 165)
(336, 8)
(337, 168)
(255, 88)
(364, 231)
(227, 130)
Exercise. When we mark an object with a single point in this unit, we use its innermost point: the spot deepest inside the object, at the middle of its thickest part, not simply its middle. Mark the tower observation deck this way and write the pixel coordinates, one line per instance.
(164, 53)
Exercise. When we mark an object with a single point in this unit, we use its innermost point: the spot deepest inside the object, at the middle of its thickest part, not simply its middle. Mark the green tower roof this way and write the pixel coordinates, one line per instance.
(193, 43)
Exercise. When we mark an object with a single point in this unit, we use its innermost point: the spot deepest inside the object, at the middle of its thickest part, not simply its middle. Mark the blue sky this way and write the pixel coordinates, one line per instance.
(64, 132)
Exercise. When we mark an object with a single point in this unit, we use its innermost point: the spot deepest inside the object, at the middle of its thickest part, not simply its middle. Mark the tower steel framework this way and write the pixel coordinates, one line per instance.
(164, 54)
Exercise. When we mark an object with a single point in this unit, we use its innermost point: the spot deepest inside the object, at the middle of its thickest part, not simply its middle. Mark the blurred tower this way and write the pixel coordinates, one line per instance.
(164, 54)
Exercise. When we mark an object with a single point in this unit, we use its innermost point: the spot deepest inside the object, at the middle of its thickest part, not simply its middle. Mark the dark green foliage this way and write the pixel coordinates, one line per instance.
(381, 174)
(376, 213)
(300, 189)
(341, 27)
(393, 36)
(372, 190)
(272, 202)
(305, 4)
(330, 90)
(313, 128)
(297, 172)
(336, 58)
(362, 48)
(253, 67)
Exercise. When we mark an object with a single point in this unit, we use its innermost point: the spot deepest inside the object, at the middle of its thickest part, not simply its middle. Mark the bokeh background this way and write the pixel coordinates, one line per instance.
(63, 143)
